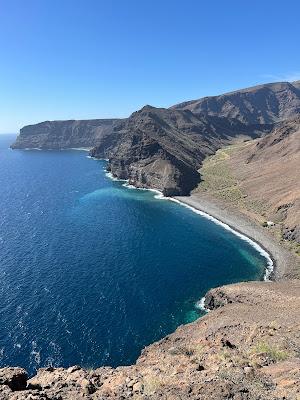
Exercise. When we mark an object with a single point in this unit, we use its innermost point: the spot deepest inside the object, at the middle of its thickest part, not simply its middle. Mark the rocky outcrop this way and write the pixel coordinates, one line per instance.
(246, 348)
(292, 233)
(13, 379)
(63, 134)
(163, 149)
(263, 104)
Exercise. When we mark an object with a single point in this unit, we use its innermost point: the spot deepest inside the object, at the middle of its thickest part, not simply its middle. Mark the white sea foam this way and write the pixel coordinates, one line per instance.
(201, 305)
(258, 247)
(113, 178)
(35, 353)
(96, 158)
(67, 148)
(129, 186)
(110, 176)
(79, 148)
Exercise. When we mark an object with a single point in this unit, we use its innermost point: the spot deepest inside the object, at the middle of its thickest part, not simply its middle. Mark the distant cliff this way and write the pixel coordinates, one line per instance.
(63, 134)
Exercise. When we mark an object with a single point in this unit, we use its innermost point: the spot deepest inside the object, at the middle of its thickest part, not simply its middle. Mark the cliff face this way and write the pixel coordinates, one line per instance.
(264, 104)
(162, 149)
(63, 134)
(247, 348)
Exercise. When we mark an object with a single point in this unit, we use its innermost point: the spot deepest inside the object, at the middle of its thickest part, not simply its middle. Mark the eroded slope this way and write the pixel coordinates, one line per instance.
(162, 149)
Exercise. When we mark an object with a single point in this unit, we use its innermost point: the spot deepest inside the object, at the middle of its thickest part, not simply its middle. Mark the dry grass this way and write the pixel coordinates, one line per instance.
(271, 352)
(219, 179)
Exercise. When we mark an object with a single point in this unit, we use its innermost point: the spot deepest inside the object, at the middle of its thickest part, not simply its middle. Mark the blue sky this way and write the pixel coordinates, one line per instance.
(75, 59)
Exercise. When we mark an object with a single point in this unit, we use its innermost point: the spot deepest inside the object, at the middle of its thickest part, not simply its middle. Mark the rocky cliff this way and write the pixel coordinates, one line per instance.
(246, 348)
(163, 148)
(263, 104)
(63, 134)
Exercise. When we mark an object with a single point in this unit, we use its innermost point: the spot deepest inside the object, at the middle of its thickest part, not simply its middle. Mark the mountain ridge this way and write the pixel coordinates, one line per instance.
(40, 134)
(266, 103)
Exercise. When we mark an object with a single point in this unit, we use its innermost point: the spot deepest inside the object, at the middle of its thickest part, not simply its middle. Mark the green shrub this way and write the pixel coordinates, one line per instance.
(272, 352)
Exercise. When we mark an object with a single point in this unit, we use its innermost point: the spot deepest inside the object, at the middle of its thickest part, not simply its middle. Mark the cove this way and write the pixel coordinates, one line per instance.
(92, 271)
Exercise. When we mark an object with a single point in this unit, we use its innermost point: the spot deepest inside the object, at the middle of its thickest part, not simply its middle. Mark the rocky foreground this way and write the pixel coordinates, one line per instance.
(248, 347)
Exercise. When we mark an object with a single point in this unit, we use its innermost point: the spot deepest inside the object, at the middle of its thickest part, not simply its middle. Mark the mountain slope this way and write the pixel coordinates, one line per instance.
(263, 104)
(162, 149)
(260, 178)
(297, 84)
(270, 171)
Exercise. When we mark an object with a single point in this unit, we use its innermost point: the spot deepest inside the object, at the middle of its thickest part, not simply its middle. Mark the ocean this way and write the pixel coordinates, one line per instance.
(91, 271)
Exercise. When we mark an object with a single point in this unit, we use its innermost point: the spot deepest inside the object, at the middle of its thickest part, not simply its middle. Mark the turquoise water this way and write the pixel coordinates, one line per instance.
(91, 271)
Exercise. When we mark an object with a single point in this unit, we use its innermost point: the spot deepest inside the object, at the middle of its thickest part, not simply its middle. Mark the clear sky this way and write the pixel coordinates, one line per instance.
(75, 59)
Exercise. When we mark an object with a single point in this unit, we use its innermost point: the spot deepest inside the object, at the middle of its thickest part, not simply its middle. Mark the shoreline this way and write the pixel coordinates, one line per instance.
(283, 260)
(192, 204)
(271, 263)
(257, 245)
(181, 200)
(86, 149)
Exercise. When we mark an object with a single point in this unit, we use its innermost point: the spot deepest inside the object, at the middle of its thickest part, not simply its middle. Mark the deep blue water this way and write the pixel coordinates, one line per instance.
(90, 271)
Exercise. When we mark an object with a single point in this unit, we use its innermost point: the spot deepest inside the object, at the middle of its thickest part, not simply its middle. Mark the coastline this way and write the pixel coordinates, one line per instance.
(218, 219)
(87, 149)
(210, 210)
(197, 354)
(255, 244)
(284, 262)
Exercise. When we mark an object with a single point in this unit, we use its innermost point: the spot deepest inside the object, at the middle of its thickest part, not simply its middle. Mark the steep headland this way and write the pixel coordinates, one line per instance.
(247, 348)
(63, 134)
(162, 149)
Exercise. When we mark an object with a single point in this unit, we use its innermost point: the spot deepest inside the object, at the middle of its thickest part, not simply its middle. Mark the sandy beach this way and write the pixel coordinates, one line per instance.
(286, 264)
